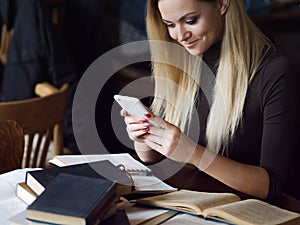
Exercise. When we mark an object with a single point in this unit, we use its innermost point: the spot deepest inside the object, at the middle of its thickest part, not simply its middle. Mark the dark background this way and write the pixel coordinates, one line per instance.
(89, 28)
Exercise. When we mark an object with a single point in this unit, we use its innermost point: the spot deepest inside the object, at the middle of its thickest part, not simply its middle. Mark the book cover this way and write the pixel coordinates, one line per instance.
(39, 179)
(73, 199)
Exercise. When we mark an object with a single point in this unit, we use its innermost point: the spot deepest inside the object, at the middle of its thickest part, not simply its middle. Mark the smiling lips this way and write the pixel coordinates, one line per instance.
(190, 44)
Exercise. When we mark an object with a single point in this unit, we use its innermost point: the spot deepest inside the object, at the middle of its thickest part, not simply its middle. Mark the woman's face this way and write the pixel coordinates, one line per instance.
(194, 24)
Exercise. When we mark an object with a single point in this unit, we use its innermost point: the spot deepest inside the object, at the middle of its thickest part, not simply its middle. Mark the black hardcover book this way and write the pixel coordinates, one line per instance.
(38, 180)
(73, 200)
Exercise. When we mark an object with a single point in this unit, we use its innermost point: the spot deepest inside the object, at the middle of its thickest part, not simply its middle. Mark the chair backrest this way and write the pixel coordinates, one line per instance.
(6, 36)
(11, 145)
(42, 121)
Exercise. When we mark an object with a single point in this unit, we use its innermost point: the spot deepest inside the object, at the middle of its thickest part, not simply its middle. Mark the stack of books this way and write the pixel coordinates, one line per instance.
(36, 181)
(85, 193)
(129, 175)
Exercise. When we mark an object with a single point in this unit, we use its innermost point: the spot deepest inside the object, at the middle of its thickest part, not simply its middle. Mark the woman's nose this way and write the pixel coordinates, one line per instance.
(183, 34)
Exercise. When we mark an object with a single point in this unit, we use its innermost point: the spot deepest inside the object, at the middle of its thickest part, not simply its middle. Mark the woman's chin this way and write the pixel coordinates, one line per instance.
(194, 52)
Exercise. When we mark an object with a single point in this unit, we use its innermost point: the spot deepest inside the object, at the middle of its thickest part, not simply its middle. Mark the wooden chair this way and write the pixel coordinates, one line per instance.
(11, 145)
(42, 121)
(6, 36)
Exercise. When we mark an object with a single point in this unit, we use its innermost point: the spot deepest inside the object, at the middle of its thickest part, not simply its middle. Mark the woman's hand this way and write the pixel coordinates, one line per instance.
(136, 126)
(169, 141)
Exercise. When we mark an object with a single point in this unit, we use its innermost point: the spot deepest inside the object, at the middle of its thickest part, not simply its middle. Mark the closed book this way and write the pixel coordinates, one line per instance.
(25, 193)
(74, 200)
(38, 180)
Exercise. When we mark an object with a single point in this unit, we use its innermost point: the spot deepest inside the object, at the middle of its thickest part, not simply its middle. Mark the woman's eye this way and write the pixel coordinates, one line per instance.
(170, 25)
(191, 21)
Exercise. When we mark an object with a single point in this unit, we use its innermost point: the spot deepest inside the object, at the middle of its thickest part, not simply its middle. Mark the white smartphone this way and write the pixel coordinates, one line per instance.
(133, 106)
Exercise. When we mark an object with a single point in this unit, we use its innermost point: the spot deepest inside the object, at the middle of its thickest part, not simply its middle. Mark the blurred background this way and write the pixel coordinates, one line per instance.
(56, 41)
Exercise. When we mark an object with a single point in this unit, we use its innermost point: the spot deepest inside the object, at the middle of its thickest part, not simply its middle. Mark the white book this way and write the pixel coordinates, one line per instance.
(25, 194)
(117, 159)
(144, 181)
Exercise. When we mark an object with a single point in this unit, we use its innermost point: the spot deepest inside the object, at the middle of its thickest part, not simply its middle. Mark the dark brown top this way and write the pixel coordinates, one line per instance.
(269, 132)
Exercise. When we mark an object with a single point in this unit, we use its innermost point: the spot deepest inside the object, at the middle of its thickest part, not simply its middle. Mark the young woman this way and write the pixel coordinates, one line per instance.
(248, 139)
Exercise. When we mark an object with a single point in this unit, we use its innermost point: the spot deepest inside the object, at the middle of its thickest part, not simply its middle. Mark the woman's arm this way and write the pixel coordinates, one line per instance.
(172, 143)
(146, 154)
(152, 144)
(252, 180)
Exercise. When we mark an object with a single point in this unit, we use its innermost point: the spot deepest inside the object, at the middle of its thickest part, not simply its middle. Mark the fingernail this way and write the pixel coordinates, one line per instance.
(148, 115)
(146, 129)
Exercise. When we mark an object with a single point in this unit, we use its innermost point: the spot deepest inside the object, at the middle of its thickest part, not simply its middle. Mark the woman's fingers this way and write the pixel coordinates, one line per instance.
(134, 120)
(136, 127)
(153, 145)
(156, 121)
(155, 139)
(123, 112)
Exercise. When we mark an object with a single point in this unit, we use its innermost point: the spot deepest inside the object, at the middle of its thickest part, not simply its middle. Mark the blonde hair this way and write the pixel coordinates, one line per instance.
(242, 49)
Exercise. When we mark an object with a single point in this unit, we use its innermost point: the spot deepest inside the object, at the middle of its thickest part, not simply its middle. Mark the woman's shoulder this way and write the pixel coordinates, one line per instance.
(276, 75)
(276, 60)
(276, 66)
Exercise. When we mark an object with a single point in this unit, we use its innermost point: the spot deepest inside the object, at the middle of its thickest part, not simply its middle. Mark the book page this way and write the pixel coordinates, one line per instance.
(20, 219)
(124, 158)
(150, 184)
(186, 219)
(138, 215)
(10, 204)
(251, 212)
(9, 208)
(189, 201)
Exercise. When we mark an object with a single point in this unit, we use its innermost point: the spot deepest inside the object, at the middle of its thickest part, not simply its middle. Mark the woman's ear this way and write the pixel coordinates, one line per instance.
(223, 6)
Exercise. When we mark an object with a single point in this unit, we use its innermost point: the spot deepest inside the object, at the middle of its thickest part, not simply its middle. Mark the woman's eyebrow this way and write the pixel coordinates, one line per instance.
(181, 18)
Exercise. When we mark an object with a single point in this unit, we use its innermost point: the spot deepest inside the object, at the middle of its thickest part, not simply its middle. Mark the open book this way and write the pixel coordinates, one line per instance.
(226, 206)
(144, 181)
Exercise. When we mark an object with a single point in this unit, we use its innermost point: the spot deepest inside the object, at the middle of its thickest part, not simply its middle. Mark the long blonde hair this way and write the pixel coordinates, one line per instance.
(242, 49)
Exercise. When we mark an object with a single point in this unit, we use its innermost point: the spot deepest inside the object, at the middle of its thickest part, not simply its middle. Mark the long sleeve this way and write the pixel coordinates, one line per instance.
(269, 131)
(279, 93)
